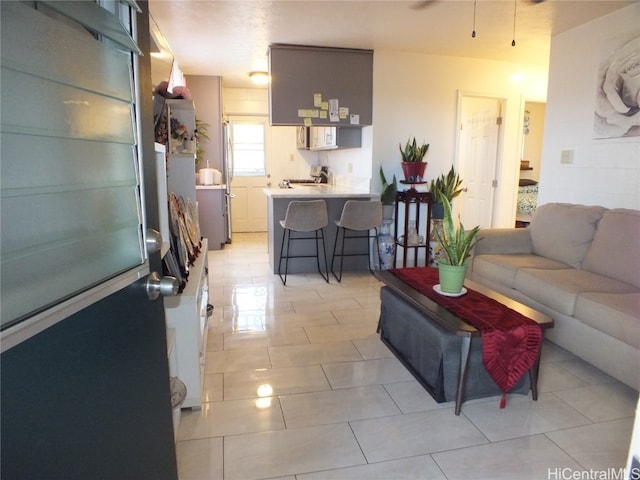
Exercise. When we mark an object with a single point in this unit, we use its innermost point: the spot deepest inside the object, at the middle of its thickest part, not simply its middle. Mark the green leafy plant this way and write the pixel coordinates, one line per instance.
(199, 133)
(412, 152)
(389, 190)
(449, 186)
(456, 242)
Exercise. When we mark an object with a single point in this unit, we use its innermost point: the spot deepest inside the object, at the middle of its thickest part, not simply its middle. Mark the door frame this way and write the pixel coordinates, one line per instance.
(499, 161)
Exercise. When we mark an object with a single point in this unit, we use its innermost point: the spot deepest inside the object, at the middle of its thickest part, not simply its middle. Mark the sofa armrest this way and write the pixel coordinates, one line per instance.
(503, 241)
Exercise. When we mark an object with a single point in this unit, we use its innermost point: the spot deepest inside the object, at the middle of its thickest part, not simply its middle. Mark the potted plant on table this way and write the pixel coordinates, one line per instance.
(456, 244)
(413, 164)
(448, 186)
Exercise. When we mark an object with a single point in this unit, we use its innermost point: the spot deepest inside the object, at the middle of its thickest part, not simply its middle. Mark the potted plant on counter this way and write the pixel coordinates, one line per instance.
(200, 133)
(448, 186)
(456, 244)
(413, 164)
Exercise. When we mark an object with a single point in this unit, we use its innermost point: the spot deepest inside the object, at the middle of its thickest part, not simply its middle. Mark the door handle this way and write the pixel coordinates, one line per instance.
(153, 241)
(165, 286)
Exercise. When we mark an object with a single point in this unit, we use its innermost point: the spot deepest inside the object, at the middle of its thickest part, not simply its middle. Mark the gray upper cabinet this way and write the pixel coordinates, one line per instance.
(320, 86)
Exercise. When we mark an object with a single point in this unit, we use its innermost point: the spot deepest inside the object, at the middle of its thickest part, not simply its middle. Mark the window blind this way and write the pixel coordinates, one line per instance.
(70, 184)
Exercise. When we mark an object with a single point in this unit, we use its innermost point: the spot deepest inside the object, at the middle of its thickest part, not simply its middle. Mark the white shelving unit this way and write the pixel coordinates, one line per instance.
(186, 314)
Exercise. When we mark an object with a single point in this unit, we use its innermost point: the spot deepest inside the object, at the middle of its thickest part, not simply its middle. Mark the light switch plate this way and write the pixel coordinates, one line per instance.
(566, 156)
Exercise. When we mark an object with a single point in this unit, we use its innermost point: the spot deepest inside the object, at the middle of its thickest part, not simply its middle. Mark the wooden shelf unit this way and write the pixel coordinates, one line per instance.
(413, 201)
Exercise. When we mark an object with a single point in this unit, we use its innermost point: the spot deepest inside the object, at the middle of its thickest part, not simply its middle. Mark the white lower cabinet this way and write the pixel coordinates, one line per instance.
(186, 315)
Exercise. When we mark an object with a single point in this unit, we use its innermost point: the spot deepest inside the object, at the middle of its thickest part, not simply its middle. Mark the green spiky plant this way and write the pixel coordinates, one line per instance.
(449, 185)
(200, 133)
(389, 190)
(412, 152)
(455, 242)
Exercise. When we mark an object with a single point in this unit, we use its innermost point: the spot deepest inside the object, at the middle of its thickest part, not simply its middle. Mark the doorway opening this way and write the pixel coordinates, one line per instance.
(530, 161)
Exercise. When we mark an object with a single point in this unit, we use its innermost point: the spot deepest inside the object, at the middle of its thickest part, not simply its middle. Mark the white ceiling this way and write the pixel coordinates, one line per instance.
(231, 38)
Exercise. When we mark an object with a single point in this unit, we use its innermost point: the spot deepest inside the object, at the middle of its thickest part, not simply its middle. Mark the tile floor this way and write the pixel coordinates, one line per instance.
(298, 385)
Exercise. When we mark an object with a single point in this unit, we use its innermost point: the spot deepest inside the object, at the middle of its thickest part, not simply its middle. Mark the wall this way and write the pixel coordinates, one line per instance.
(608, 170)
(417, 95)
(206, 95)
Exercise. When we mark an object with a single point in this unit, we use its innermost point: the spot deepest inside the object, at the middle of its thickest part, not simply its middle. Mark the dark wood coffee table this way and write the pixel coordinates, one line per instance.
(455, 325)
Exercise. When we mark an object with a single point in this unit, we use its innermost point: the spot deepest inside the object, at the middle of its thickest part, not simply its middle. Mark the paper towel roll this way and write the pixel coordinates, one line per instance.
(217, 177)
(206, 176)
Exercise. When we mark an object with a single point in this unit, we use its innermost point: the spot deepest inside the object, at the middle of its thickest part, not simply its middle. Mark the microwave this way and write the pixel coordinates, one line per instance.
(302, 138)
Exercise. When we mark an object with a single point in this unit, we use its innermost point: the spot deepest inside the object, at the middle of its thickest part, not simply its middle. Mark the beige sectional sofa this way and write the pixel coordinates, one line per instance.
(580, 265)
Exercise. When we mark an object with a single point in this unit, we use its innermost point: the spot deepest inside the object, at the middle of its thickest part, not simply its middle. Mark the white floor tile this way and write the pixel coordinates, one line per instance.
(413, 434)
(200, 459)
(529, 458)
(414, 468)
(315, 354)
(368, 372)
(340, 333)
(282, 381)
(602, 402)
(237, 360)
(522, 416)
(371, 347)
(290, 452)
(599, 446)
(412, 397)
(335, 406)
(232, 417)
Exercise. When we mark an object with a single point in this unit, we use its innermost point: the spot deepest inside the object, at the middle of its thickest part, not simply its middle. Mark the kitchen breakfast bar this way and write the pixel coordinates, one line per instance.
(335, 197)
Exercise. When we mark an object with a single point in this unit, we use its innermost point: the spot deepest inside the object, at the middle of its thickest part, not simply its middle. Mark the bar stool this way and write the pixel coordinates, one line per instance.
(357, 216)
(304, 216)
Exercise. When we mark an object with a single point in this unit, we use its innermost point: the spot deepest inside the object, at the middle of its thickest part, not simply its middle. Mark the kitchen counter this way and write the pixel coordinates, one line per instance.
(278, 200)
(319, 190)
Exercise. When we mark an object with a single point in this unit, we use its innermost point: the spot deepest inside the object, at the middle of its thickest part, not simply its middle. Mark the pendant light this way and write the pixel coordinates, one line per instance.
(473, 34)
(515, 7)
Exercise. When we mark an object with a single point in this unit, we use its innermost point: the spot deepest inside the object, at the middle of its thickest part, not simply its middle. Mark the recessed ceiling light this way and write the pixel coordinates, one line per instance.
(259, 78)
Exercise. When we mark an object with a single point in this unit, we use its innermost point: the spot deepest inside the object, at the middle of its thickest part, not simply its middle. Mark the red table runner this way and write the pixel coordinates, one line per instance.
(510, 341)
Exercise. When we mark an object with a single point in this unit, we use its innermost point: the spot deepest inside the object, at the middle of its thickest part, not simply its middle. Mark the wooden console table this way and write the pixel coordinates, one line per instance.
(432, 324)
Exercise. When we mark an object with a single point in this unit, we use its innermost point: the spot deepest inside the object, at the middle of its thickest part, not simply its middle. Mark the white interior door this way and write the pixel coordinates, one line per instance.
(249, 138)
(478, 140)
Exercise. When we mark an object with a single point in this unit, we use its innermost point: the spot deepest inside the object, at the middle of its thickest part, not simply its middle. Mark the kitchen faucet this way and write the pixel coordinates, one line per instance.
(318, 178)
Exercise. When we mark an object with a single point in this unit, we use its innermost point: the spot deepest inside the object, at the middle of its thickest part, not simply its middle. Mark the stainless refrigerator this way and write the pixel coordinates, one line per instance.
(227, 175)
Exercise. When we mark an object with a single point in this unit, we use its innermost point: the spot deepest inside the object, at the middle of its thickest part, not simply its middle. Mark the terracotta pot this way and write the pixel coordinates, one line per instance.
(414, 171)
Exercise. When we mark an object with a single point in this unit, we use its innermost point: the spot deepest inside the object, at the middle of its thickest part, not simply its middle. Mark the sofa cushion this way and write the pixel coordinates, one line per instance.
(563, 231)
(616, 314)
(559, 289)
(615, 250)
(502, 268)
